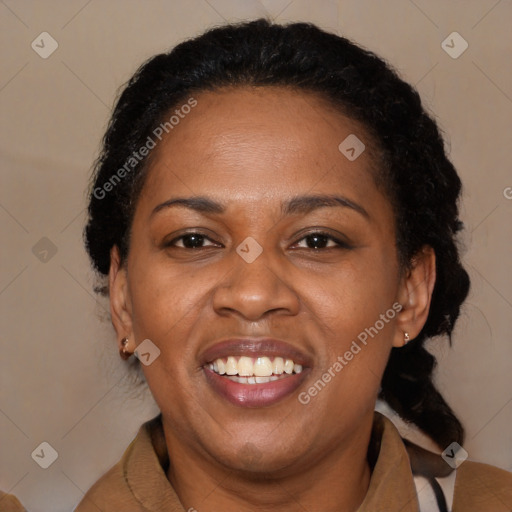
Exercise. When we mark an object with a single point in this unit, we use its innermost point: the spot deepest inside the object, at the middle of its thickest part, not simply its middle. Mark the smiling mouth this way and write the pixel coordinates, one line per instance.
(254, 370)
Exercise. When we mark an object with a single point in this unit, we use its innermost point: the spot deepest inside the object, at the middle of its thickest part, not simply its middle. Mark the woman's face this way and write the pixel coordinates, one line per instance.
(267, 266)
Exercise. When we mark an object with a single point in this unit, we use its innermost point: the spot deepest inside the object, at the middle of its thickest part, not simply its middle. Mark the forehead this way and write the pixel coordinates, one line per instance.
(257, 143)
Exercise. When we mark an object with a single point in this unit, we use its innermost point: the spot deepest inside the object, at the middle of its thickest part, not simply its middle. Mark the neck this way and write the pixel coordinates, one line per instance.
(337, 480)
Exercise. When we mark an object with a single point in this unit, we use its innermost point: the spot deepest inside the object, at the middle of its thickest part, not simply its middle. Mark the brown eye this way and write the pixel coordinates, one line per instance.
(318, 240)
(190, 241)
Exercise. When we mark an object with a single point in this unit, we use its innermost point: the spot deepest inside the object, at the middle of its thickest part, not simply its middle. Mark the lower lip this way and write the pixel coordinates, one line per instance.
(254, 395)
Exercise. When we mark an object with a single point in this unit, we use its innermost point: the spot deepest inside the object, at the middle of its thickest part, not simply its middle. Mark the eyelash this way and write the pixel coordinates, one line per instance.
(339, 243)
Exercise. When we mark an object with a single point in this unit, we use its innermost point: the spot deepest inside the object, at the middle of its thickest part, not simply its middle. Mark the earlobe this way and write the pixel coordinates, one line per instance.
(415, 296)
(120, 309)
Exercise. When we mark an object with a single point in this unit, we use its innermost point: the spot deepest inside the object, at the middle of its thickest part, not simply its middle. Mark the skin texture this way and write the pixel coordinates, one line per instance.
(253, 149)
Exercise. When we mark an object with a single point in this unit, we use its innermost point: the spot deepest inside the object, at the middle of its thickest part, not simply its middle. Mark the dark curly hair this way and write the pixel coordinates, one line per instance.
(419, 179)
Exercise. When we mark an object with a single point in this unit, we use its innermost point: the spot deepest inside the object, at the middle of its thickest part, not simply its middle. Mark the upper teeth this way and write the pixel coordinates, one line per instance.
(254, 367)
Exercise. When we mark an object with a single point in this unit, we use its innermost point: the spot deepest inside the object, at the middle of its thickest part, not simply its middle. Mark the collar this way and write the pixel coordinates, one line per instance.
(391, 484)
(147, 455)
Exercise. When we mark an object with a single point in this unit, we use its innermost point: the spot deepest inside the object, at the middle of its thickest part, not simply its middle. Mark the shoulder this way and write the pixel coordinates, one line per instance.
(109, 493)
(112, 492)
(137, 482)
(481, 487)
(9, 503)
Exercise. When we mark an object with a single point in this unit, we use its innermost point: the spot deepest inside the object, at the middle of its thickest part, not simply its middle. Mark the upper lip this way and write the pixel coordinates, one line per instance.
(243, 346)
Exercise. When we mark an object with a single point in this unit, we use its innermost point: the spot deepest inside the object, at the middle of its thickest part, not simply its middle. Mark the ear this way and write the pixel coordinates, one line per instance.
(415, 294)
(120, 306)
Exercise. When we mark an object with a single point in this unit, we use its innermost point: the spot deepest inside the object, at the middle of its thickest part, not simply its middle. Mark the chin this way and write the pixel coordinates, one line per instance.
(262, 462)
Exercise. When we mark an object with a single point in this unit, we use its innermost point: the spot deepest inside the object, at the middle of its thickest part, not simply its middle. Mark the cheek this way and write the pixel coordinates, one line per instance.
(354, 308)
(162, 291)
(166, 308)
(165, 303)
(353, 296)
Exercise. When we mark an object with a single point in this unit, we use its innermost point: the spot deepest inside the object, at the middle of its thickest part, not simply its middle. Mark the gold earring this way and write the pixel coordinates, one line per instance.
(122, 351)
(406, 338)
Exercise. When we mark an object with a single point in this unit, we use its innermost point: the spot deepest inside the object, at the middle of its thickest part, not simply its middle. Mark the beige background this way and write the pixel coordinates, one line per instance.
(61, 379)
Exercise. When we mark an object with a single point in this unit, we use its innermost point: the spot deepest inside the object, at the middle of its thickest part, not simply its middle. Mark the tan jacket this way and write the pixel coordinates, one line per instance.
(138, 482)
(9, 503)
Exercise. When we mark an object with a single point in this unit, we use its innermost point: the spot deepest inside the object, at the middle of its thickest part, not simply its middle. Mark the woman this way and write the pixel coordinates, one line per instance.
(277, 219)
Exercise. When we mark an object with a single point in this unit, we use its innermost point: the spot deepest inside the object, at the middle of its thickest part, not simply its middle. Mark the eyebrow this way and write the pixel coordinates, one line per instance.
(306, 204)
(296, 205)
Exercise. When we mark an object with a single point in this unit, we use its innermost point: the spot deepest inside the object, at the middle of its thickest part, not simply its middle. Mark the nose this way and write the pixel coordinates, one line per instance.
(254, 290)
